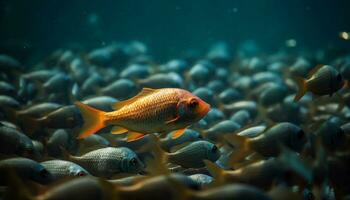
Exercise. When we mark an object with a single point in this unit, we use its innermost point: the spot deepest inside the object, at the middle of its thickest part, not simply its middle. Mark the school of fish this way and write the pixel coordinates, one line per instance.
(114, 123)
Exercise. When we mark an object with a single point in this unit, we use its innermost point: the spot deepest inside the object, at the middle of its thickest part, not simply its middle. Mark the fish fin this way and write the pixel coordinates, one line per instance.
(213, 169)
(144, 92)
(118, 130)
(132, 136)
(302, 88)
(244, 149)
(178, 133)
(314, 70)
(93, 120)
(172, 120)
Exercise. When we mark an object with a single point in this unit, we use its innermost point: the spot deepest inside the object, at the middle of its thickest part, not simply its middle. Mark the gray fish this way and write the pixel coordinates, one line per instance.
(101, 102)
(206, 94)
(7, 89)
(39, 75)
(38, 110)
(229, 95)
(91, 84)
(325, 80)
(61, 168)
(216, 86)
(201, 72)
(58, 83)
(192, 155)
(202, 179)
(250, 106)
(8, 102)
(120, 89)
(241, 117)
(135, 71)
(169, 80)
(103, 56)
(273, 95)
(214, 116)
(109, 161)
(176, 65)
(26, 169)
(60, 139)
(252, 132)
(94, 141)
(189, 136)
(15, 142)
(217, 131)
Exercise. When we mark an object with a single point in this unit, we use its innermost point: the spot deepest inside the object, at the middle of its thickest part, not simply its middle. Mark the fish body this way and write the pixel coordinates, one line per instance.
(62, 168)
(151, 111)
(109, 161)
(325, 80)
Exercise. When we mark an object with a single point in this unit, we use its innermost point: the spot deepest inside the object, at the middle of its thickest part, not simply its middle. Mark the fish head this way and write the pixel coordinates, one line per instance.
(132, 164)
(213, 152)
(77, 171)
(192, 108)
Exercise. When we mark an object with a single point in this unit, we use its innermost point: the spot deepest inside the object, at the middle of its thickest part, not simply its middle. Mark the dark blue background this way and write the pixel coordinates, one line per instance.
(170, 27)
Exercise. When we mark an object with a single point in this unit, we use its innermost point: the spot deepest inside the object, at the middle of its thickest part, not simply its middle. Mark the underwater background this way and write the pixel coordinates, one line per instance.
(170, 27)
(194, 100)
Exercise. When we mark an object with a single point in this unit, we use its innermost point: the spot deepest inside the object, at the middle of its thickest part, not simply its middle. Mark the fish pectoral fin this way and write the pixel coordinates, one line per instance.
(178, 133)
(118, 130)
(144, 92)
(132, 136)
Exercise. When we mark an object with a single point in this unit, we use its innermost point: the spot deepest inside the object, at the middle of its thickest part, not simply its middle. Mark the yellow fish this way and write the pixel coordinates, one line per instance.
(150, 111)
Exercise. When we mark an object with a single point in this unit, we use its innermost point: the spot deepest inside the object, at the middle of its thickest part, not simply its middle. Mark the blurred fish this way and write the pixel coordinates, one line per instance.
(192, 155)
(169, 80)
(135, 71)
(120, 89)
(268, 143)
(109, 161)
(216, 86)
(12, 141)
(160, 110)
(229, 95)
(60, 139)
(241, 117)
(7, 89)
(101, 102)
(61, 168)
(93, 141)
(38, 110)
(202, 179)
(26, 169)
(189, 136)
(323, 80)
(217, 131)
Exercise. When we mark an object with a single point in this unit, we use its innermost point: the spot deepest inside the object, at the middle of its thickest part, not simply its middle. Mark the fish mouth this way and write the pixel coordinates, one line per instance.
(204, 109)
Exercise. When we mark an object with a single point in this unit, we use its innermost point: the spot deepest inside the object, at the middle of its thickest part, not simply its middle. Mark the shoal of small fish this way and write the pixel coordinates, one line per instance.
(278, 127)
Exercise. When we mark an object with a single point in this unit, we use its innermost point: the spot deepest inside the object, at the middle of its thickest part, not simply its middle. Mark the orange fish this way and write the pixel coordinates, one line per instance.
(150, 111)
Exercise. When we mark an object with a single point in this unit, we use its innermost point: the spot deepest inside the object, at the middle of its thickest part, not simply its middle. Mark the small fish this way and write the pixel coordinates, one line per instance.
(192, 155)
(229, 95)
(26, 169)
(8, 63)
(216, 86)
(12, 141)
(268, 143)
(7, 89)
(136, 71)
(206, 94)
(189, 136)
(38, 110)
(101, 102)
(61, 168)
(151, 111)
(323, 80)
(120, 89)
(109, 161)
(59, 139)
(169, 80)
(241, 117)
(215, 132)
(202, 179)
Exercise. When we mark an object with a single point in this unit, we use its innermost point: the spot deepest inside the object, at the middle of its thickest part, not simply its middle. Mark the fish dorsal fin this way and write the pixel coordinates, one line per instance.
(178, 133)
(132, 136)
(144, 92)
(118, 130)
(314, 70)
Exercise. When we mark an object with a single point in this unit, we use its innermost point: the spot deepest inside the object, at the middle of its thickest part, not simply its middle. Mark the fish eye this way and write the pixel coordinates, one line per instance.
(81, 174)
(193, 103)
(133, 162)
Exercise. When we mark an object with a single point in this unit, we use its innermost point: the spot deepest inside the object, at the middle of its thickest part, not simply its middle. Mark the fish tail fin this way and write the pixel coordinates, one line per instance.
(215, 171)
(302, 88)
(93, 120)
